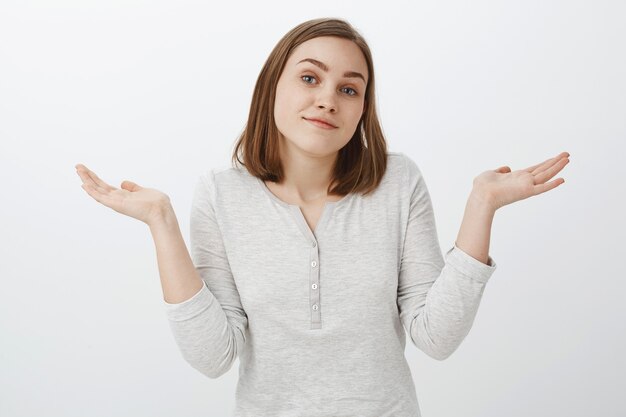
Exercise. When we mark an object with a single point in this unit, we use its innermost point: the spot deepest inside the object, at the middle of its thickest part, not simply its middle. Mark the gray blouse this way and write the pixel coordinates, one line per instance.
(318, 318)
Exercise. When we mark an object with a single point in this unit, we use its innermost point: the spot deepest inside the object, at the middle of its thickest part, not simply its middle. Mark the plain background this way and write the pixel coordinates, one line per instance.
(157, 92)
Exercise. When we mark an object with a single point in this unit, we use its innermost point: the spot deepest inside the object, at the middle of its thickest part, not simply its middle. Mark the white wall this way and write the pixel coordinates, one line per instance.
(156, 92)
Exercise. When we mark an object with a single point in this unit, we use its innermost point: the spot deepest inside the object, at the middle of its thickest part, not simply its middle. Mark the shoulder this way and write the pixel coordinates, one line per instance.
(224, 175)
(403, 167)
(409, 174)
(224, 179)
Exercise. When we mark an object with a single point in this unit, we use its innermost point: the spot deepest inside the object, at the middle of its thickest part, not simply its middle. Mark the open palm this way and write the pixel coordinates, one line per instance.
(145, 204)
(503, 186)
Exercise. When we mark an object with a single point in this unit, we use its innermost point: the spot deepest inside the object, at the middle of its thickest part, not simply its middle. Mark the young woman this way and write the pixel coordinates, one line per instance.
(311, 258)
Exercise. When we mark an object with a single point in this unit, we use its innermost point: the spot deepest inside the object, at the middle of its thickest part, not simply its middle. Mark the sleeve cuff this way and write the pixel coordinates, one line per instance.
(191, 307)
(470, 266)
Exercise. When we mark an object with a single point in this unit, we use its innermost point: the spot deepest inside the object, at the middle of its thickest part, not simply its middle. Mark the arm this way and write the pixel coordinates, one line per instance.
(437, 298)
(475, 231)
(179, 278)
(201, 300)
(200, 297)
(494, 189)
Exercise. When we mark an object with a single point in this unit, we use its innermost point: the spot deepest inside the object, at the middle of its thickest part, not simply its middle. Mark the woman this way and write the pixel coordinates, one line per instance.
(312, 258)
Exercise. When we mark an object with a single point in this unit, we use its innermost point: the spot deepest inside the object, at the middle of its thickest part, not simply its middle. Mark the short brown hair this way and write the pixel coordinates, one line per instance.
(360, 164)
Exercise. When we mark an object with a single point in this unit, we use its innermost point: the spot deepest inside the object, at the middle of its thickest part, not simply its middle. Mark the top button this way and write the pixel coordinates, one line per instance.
(314, 244)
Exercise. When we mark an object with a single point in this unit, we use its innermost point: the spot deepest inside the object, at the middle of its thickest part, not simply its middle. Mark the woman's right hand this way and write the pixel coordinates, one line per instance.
(145, 204)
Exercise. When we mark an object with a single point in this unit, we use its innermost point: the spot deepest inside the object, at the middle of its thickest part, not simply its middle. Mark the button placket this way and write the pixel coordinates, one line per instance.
(314, 294)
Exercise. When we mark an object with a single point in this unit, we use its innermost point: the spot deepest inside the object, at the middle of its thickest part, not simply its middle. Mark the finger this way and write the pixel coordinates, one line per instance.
(542, 165)
(544, 176)
(98, 194)
(549, 163)
(89, 181)
(542, 188)
(95, 178)
(85, 178)
(101, 183)
(95, 190)
(91, 190)
(530, 169)
(130, 186)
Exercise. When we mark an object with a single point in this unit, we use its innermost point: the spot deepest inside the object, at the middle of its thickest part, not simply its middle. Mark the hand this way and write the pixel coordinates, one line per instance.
(145, 204)
(501, 186)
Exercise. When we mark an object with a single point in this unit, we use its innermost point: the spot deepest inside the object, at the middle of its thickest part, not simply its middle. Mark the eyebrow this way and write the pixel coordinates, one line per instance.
(348, 74)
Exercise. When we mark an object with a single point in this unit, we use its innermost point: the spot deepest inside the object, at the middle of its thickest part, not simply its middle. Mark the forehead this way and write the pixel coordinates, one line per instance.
(338, 54)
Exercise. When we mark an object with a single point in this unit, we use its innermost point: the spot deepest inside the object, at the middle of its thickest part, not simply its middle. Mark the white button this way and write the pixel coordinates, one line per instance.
(314, 306)
(314, 244)
(313, 264)
(314, 286)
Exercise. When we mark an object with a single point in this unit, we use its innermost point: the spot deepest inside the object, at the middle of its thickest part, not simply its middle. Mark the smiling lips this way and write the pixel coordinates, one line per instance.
(320, 123)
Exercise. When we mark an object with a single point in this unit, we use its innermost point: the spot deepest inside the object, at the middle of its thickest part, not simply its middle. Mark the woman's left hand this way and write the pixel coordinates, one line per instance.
(502, 186)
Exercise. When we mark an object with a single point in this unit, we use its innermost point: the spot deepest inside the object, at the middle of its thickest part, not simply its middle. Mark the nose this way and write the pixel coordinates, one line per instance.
(326, 99)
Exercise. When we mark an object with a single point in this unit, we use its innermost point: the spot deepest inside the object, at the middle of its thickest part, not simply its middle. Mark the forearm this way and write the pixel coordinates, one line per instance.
(475, 231)
(179, 278)
(440, 319)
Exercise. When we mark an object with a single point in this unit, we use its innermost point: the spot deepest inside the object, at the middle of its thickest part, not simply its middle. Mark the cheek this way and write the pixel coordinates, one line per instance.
(355, 115)
(279, 106)
(284, 103)
(281, 116)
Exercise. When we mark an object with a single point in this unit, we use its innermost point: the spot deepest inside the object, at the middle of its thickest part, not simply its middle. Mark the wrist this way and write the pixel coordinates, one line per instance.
(481, 201)
(163, 215)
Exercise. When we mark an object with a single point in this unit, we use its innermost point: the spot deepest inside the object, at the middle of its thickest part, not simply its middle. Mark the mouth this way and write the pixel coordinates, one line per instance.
(320, 123)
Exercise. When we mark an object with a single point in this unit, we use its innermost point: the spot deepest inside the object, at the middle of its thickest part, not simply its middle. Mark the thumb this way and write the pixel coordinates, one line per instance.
(130, 186)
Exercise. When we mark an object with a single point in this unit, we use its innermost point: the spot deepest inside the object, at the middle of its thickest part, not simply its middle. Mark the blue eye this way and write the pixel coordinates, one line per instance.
(354, 92)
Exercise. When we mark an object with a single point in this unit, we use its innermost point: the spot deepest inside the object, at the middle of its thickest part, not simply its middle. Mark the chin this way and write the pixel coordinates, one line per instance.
(317, 148)
(314, 144)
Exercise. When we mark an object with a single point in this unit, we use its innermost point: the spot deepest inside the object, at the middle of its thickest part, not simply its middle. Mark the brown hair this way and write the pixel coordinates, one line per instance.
(360, 164)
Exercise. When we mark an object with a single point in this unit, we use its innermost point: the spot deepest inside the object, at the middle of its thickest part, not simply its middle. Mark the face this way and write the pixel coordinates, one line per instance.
(321, 80)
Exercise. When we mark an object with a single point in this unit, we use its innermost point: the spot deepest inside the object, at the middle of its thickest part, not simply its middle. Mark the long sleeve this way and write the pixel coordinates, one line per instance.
(210, 327)
(437, 300)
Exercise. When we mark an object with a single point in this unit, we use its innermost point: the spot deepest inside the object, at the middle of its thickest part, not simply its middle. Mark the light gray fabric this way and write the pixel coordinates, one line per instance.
(318, 320)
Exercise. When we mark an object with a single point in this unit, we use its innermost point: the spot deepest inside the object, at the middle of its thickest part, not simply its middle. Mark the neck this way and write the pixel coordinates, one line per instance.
(307, 176)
